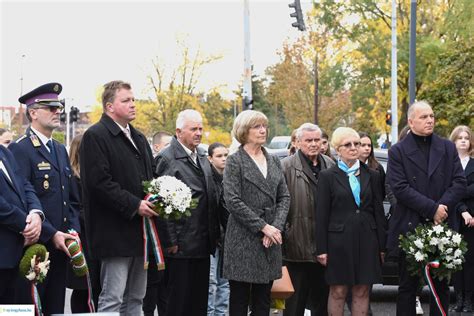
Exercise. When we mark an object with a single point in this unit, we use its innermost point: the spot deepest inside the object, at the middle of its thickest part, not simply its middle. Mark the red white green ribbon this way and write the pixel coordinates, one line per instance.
(36, 299)
(150, 236)
(429, 281)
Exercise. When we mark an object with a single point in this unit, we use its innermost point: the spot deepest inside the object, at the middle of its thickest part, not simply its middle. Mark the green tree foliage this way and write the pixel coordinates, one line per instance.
(452, 92)
(352, 40)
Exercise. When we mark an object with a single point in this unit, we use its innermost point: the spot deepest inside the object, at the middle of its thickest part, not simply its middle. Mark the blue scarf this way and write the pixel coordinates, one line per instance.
(353, 181)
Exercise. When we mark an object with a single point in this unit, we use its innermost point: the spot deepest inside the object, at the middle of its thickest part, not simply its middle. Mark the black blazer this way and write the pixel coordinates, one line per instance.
(333, 208)
(467, 202)
(112, 174)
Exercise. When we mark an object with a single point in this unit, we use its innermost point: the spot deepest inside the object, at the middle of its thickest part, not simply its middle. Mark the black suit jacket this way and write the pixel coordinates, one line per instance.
(467, 203)
(112, 173)
(333, 208)
(196, 235)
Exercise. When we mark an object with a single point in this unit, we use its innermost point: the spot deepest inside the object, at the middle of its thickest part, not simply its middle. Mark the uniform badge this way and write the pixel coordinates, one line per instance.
(46, 184)
(35, 141)
(56, 88)
(44, 166)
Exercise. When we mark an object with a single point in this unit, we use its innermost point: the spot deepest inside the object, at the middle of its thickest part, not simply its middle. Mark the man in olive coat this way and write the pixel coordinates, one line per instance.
(115, 160)
(299, 247)
(426, 177)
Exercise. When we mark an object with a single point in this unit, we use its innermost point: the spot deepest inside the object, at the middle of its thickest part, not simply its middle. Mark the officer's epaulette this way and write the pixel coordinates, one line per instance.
(20, 139)
(35, 141)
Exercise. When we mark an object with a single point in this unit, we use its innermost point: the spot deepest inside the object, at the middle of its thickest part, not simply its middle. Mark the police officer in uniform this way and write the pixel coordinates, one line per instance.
(45, 163)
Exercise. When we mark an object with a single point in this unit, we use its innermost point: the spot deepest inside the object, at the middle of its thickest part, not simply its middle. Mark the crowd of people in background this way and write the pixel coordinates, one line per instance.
(319, 212)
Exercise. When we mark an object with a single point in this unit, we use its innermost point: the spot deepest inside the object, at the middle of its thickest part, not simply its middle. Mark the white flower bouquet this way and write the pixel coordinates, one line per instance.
(172, 197)
(430, 243)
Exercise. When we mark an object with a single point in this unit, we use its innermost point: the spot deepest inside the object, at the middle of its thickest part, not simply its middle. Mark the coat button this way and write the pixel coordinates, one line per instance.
(65, 219)
(62, 187)
(409, 223)
(64, 203)
(357, 211)
(46, 176)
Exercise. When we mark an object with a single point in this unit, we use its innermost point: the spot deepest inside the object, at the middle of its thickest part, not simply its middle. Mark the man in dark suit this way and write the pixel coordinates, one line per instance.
(427, 179)
(190, 240)
(45, 163)
(20, 222)
(115, 160)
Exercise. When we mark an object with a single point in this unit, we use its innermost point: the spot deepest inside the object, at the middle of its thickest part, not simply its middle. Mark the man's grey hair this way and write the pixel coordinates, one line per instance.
(186, 116)
(414, 106)
(308, 127)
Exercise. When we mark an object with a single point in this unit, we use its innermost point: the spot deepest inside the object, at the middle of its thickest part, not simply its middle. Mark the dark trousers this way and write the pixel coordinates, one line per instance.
(80, 296)
(53, 289)
(241, 293)
(407, 289)
(7, 285)
(156, 291)
(464, 280)
(188, 284)
(311, 289)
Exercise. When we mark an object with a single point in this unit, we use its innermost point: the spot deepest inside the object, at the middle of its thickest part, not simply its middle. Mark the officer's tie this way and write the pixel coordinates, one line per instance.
(52, 151)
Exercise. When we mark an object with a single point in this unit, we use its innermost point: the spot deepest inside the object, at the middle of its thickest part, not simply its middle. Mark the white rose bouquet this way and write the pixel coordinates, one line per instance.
(172, 197)
(437, 243)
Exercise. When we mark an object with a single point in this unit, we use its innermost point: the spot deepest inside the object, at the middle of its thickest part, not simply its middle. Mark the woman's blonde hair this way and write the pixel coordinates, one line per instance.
(455, 134)
(74, 154)
(340, 134)
(246, 120)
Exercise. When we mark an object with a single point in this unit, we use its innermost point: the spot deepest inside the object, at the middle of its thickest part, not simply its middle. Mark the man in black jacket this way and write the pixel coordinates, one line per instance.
(190, 240)
(115, 160)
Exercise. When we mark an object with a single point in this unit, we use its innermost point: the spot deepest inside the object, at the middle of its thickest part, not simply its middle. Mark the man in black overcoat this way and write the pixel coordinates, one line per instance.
(115, 159)
(427, 179)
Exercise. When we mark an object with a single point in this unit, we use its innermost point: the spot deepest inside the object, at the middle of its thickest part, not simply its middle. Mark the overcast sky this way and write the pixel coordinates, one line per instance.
(84, 44)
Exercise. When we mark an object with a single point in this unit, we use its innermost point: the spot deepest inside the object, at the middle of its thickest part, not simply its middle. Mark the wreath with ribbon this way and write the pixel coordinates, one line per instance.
(34, 267)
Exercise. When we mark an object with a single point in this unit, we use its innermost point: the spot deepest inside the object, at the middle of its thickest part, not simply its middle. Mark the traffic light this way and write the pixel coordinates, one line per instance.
(62, 116)
(247, 104)
(298, 14)
(74, 114)
(388, 118)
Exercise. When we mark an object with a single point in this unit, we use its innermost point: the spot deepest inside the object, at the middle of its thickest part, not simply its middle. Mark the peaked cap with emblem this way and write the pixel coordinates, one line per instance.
(46, 94)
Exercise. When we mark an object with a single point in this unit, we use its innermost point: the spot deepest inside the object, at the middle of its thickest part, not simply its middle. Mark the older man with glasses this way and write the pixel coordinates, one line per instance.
(45, 163)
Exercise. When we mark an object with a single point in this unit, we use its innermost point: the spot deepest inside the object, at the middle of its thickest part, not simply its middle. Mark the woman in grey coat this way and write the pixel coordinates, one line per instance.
(257, 198)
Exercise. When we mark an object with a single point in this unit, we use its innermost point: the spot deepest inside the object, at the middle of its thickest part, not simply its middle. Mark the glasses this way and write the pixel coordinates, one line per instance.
(52, 109)
(350, 144)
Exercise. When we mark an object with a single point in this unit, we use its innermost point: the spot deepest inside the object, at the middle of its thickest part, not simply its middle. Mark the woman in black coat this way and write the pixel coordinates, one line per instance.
(350, 225)
(464, 280)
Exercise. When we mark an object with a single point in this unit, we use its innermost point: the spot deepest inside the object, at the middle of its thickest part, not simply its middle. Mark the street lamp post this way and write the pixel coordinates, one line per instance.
(20, 110)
